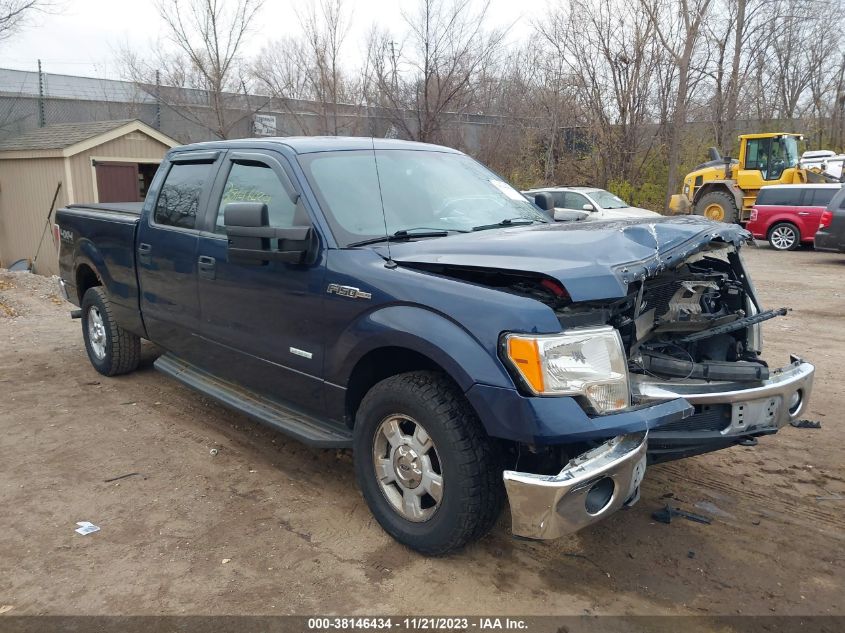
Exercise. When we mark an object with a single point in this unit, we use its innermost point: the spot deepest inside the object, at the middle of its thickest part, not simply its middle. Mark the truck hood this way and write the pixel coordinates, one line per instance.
(593, 260)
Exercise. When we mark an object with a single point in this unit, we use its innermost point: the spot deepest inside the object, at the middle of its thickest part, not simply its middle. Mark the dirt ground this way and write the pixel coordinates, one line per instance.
(269, 526)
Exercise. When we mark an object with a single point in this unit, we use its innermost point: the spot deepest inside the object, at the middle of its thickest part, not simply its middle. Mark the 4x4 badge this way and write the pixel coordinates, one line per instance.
(348, 291)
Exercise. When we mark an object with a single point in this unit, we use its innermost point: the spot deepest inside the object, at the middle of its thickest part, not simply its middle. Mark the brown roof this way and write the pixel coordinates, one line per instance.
(59, 136)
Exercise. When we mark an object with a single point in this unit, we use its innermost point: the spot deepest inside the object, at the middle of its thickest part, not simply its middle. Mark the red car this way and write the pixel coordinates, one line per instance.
(789, 215)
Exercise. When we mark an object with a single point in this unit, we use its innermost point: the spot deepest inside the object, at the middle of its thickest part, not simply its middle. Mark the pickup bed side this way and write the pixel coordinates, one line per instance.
(97, 247)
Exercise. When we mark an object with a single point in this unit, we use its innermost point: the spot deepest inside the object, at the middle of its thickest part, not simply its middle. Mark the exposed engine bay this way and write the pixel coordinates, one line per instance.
(698, 319)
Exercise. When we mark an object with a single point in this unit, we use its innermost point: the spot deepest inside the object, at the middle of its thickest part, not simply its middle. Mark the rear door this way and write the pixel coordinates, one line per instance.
(815, 202)
(262, 321)
(166, 252)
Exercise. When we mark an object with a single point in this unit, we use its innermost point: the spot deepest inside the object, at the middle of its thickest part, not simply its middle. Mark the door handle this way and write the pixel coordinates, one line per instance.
(803, 213)
(206, 266)
(144, 253)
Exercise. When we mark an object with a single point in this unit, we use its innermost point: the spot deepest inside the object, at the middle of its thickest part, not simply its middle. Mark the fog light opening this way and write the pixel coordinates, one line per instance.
(795, 402)
(599, 495)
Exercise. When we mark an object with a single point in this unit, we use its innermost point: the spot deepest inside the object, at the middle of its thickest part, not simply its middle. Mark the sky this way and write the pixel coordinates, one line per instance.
(81, 37)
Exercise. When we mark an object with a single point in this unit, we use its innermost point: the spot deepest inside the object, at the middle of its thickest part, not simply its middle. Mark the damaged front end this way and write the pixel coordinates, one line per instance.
(689, 332)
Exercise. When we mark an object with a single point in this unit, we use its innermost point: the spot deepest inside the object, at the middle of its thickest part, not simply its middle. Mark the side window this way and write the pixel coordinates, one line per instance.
(559, 198)
(179, 198)
(822, 197)
(255, 182)
(575, 201)
(757, 155)
(785, 196)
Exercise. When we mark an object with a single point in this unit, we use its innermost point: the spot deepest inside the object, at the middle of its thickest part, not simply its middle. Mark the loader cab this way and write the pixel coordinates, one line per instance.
(767, 159)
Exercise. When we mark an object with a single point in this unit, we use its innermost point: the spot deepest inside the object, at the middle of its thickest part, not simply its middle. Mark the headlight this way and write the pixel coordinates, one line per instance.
(589, 362)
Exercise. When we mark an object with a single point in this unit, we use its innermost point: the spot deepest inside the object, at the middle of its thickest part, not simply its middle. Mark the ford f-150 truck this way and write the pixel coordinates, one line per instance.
(402, 300)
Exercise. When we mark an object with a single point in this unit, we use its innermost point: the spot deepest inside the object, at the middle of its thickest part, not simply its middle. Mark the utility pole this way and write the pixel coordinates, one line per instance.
(41, 117)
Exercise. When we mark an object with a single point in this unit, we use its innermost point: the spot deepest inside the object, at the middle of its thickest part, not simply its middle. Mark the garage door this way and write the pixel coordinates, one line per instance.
(117, 182)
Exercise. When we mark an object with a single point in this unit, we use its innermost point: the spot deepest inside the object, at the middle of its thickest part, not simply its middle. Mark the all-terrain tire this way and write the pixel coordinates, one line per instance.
(469, 461)
(718, 206)
(784, 236)
(111, 349)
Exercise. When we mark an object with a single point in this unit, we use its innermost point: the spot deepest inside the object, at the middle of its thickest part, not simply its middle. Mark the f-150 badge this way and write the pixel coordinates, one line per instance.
(348, 291)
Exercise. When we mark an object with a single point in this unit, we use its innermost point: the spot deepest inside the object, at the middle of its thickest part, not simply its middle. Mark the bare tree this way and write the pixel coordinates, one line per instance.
(308, 67)
(14, 15)
(678, 25)
(424, 82)
(203, 61)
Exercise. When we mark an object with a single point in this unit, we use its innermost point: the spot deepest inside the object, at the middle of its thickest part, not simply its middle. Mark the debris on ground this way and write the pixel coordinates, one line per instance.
(213, 452)
(225, 560)
(5, 608)
(665, 516)
(748, 441)
(691, 554)
(806, 424)
(119, 477)
(86, 527)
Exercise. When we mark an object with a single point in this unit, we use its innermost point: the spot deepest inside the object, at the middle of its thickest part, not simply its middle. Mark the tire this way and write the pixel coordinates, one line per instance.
(784, 236)
(111, 349)
(471, 492)
(718, 206)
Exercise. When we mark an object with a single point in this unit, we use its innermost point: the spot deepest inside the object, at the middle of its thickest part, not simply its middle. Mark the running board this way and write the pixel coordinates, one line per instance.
(301, 426)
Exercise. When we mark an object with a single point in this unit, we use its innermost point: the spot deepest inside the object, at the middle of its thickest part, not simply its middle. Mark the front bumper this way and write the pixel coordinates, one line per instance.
(725, 412)
(589, 488)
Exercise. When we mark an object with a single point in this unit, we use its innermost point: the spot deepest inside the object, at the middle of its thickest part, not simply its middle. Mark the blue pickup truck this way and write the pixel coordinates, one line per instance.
(402, 300)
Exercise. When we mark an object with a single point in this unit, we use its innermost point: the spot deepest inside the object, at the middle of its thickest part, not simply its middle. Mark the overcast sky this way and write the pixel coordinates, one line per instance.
(82, 36)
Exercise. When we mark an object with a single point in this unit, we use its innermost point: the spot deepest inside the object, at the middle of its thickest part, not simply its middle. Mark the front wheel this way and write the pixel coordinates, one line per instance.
(111, 349)
(427, 470)
(718, 206)
(784, 237)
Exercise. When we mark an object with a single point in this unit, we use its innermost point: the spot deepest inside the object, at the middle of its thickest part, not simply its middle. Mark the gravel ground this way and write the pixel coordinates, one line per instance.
(269, 526)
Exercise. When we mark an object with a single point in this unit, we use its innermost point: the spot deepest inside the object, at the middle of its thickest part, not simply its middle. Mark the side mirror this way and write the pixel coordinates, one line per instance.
(588, 207)
(569, 215)
(250, 237)
(545, 201)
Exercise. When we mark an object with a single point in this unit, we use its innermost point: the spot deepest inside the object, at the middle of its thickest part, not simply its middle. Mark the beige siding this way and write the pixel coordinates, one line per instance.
(26, 190)
(135, 145)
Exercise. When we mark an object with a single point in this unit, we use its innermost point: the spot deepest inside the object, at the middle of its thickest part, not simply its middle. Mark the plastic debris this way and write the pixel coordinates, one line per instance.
(665, 516)
(806, 424)
(86, 527)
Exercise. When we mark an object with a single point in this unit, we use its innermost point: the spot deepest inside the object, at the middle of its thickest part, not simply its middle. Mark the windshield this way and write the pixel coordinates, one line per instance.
(435, 191)
(607, 200)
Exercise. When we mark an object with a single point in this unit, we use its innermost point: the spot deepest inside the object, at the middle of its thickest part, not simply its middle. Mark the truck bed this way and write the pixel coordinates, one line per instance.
(99, 239)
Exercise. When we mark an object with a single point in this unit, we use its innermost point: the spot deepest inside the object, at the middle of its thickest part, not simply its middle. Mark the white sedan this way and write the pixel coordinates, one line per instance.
(589, 203)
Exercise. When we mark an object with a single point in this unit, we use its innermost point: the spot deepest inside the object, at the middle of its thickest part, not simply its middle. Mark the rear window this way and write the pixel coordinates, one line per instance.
(822, 197)
(782, 196)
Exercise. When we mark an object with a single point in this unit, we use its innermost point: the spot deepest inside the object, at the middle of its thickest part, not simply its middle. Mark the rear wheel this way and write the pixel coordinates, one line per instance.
(784, 236)
(718, 206)
(111, 349)
(424, 464)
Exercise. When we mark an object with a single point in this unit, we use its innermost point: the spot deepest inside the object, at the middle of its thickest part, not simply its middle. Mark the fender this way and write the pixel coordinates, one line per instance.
(123, 296)
(444, 342)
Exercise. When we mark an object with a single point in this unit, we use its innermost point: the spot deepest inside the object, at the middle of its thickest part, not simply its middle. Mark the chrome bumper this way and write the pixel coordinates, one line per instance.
(63, 289)
(768, 405)
(590, 487)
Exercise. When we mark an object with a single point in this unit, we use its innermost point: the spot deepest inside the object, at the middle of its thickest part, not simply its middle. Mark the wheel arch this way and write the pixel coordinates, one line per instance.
(397, 339)
(85, 277)
(719, 186)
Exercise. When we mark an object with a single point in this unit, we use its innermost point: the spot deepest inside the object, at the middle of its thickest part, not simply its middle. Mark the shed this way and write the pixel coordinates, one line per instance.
(104, 161)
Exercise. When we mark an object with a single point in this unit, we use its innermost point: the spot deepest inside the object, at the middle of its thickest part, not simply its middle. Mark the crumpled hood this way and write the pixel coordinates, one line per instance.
(593, 260)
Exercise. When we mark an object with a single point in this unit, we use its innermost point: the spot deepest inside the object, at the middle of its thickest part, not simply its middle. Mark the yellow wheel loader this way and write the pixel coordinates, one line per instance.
(724, 189)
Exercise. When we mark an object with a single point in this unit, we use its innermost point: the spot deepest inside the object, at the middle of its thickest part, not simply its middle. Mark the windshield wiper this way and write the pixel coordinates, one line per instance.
(407, 234)
(505, 222)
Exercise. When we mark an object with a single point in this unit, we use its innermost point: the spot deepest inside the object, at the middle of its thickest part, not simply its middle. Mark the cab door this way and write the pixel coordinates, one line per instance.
(263, 320)
(166, 251)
